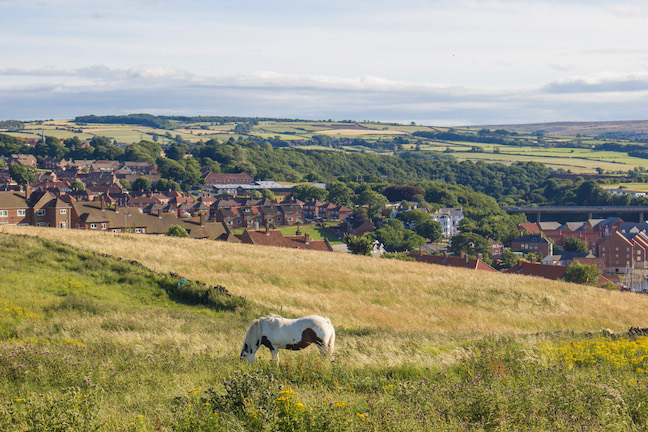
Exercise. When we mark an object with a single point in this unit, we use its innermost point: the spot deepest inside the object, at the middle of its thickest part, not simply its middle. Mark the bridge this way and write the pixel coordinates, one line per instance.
(589, 210)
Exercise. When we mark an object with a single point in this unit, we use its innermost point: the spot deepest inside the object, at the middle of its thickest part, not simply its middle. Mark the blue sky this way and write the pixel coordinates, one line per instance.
(430, 61)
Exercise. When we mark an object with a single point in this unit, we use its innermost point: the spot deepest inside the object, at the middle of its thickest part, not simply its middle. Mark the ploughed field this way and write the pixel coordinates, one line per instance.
(98, 332)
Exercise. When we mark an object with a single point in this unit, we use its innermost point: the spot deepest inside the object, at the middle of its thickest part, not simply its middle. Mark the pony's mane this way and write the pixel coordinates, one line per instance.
(266, 318)
(257, 322)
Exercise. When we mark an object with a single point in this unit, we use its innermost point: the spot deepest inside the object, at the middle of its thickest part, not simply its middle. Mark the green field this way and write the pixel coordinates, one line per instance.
(577, 160)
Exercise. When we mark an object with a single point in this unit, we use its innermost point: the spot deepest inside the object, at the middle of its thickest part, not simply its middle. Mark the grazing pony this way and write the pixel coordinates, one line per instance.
(276, 332)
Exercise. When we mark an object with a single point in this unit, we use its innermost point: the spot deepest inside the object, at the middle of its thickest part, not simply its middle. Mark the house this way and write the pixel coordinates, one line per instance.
(14, 209)
(553, 272)
(623, 252)
(463, 261)
(275, 238)
(258, 213)
(96, 217)
(25, 159)
(50, 163)
(140, 167)
(49, 210)
(449, 218)
(356, 225)
(536, 243)
(212, 179)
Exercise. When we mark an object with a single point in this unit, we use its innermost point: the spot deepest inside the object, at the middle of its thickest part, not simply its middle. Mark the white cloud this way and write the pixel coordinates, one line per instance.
(597, 83)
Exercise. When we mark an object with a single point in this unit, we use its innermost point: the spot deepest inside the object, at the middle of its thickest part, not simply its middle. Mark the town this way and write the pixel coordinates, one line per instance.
(233, 207)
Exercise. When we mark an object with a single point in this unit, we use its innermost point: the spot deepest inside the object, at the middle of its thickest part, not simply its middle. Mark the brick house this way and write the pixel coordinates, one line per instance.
(624, 251)
(14, 209)
(536, 243)
(50, 163)
(49, 210)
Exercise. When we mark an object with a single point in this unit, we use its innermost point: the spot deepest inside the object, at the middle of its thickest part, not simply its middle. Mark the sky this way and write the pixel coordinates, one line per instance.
(435, 62)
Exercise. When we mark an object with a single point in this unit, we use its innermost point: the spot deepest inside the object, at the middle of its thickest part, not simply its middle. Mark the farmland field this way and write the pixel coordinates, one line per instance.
(374, 137)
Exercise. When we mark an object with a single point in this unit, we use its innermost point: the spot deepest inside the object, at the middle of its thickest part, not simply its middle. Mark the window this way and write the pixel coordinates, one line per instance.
(93, 226)
(63, 211)
(41, 212)
(103, 226)
(63, 225)
(22, 212)
(138, 230)
(4, 213)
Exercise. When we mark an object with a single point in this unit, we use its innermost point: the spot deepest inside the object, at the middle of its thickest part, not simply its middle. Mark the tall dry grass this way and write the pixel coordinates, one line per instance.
(363, 292)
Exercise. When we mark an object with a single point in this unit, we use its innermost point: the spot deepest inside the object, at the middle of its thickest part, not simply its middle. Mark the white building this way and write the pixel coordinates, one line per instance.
(449, 219)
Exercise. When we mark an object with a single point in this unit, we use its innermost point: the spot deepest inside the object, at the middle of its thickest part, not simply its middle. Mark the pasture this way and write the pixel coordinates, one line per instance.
(378, 137)
(92, 342)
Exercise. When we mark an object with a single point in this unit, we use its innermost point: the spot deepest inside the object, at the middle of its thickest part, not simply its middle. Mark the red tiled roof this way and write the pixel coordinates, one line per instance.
(277, 239)
(451, 261)
(553, 272)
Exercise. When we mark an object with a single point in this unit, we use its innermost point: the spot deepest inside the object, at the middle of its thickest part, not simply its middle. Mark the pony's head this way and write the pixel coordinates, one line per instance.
(247, 353)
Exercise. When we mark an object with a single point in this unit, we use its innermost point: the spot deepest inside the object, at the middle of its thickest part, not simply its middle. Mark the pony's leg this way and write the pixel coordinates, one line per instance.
(275, 355)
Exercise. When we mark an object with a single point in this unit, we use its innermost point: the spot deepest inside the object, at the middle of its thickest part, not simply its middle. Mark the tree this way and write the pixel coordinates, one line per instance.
(374, 201)
(585, 274)
(574, 244)
(430, 229)
(308, 193)
(77, 185)
(470, 244)
(340, 193)
(22, 174)
(167, 185)
(509, 259)
(177, 231)
(267, 193)
(359, 245)
(142, 184)
(176, 152)
(395, 238)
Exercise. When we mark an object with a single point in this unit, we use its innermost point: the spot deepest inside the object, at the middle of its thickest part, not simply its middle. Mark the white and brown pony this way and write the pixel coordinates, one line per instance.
(276, 332)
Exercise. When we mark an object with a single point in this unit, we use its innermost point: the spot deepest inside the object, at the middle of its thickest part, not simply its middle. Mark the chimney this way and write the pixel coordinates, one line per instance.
(480, 256)
(103, 204)
(306, 237)
(202, 219)
(533, 260)
(267, 229)
(160, 213)
(466, 258)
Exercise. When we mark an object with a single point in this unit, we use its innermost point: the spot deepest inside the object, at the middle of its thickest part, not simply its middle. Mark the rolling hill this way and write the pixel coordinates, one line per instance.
(98, 332)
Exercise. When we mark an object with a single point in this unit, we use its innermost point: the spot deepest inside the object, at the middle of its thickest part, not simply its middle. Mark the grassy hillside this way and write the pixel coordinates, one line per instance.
(361, 292)
(90, 341)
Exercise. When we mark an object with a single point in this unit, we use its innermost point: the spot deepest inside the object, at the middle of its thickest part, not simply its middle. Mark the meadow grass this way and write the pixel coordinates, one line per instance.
(93, 342)
(360, 291)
